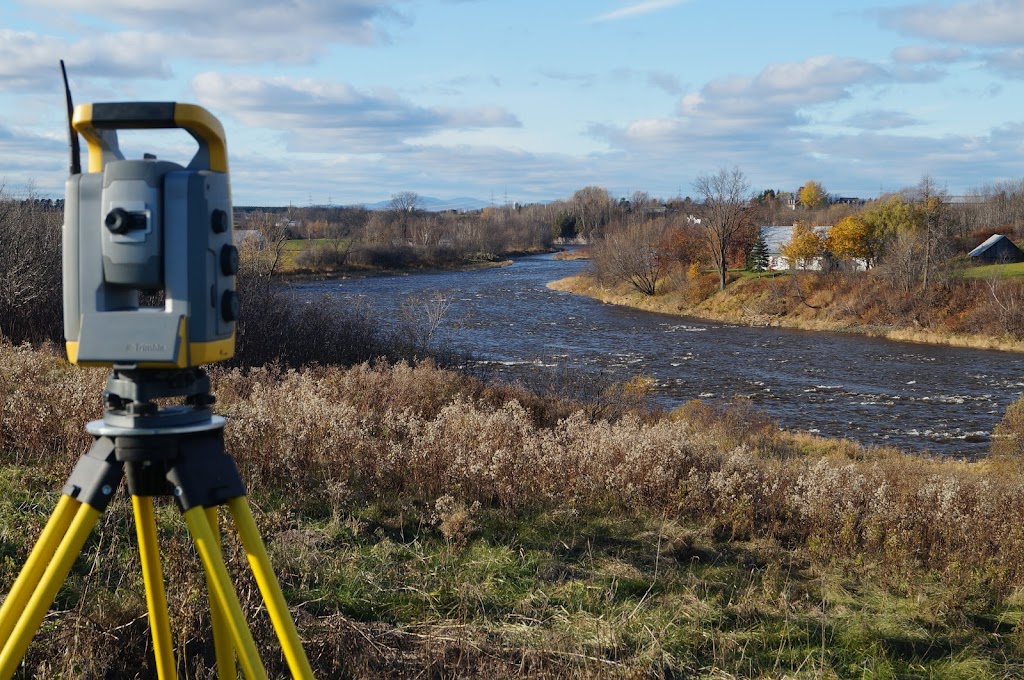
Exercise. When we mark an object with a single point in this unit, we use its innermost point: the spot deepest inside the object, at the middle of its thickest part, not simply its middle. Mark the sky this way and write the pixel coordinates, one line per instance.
(346, 102)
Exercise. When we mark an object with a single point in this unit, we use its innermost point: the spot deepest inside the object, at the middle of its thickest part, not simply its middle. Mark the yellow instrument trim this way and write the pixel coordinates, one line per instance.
(211, 352)
(82, 122)
(199, 121)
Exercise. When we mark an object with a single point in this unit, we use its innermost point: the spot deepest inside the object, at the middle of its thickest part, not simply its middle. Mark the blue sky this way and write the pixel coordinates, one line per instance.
(352, 101)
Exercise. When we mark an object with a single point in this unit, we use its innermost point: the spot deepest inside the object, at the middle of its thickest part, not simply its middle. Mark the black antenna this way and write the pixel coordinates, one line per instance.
(74, 151)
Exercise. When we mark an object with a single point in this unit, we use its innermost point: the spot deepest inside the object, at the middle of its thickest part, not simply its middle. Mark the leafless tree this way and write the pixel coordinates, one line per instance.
(904, 261)
(402, 206)
(631, 253)
(934, 224)
(265, 257)
(592, 208)
(423, 319)
(30, 268)
(724, 197)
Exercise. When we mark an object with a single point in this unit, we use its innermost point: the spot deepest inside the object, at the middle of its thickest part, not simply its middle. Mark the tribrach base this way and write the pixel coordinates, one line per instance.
(188, 463)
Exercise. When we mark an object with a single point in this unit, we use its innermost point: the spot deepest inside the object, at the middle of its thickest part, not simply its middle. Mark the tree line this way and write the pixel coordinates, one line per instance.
(913, 237)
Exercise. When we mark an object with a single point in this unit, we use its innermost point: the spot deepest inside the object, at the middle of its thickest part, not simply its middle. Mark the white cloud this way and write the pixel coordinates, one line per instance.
(1009, 63)
(928, 54)
(881, 120)
(637, 9)
(138, 37)
(982, 22)
(778, 96)
(29, 61)
(347, 21)
(321, 116)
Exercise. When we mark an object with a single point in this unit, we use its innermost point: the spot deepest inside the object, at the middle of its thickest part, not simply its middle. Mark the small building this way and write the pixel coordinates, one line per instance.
(775, 237)
(997, 249)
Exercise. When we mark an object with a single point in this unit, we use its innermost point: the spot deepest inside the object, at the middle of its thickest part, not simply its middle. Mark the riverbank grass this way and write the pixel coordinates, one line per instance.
(775, 299)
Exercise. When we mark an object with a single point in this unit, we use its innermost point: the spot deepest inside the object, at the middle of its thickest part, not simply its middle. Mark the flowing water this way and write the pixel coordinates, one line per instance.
(917, 397)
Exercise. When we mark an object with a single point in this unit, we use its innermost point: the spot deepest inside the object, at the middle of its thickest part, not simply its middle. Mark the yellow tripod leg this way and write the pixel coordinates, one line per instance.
(199, 527)
(44, 593)
(153, 577)
(222, 646)
(270, 589)
(37, 560)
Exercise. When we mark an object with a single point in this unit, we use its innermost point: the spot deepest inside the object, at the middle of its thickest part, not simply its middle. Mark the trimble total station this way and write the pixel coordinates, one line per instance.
(149, 228)
(149, 273)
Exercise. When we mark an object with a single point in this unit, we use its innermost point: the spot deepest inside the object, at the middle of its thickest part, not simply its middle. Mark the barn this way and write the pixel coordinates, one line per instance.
(997, 249)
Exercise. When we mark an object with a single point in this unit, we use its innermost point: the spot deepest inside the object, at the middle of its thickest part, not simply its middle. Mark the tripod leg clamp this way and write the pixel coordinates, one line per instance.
(96, 475)
(204, 475)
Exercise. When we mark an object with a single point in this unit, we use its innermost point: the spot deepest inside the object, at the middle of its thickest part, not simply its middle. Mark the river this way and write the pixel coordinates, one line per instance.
(916, 397)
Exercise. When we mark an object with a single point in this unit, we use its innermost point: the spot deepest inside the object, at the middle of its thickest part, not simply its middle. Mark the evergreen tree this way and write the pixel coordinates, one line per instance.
(757, 259)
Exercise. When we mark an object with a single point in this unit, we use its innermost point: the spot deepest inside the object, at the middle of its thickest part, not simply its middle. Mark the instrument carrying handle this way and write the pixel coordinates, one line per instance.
(98, 123)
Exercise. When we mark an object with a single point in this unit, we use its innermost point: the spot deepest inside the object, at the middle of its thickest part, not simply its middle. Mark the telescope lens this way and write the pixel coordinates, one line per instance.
(118, 221)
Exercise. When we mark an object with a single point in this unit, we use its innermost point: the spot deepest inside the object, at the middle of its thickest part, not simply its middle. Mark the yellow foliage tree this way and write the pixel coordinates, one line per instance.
(813, 195)
(805, 245)
(848, 239)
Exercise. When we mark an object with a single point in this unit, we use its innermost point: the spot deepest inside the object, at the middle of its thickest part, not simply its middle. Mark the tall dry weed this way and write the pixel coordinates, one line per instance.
(325, 438)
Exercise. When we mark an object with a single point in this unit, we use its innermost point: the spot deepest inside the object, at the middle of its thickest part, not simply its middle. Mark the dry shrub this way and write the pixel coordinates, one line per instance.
(30, 268)
(700, 288)
(454, 520)
(1008, 438)
(277, 326)
(323, 256)
(421, 434)
(328, 438)
(44, 405)
(733, 424)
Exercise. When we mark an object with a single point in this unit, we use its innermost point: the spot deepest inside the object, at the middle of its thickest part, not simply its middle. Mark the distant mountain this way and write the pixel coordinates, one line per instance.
(432, 204)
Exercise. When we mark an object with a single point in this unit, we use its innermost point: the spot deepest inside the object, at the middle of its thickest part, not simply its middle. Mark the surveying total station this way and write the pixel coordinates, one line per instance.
(149, 290)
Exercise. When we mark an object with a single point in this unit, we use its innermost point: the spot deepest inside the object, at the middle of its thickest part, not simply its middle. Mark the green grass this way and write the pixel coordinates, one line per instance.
(639, 594)
(750, 274)
(557, 592)
(994, 271)
(292, 248)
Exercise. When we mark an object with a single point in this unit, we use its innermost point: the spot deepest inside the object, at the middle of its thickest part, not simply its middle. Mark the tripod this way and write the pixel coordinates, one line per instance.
(175, 451)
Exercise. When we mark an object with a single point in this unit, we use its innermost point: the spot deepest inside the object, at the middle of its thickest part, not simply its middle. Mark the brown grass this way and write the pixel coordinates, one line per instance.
(421, 433)
(434, 446)
(962, 313)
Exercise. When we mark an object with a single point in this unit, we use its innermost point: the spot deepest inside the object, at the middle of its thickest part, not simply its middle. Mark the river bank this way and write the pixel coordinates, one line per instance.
(780, 301)
(343, 273)
(311, 260)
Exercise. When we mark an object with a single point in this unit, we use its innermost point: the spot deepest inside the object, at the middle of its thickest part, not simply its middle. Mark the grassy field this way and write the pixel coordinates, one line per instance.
(550, 594)
(292, 248)
(994, 271)
(425, 524)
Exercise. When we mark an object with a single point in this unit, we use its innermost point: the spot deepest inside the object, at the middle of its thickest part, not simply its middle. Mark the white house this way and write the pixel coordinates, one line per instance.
(777, 237)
